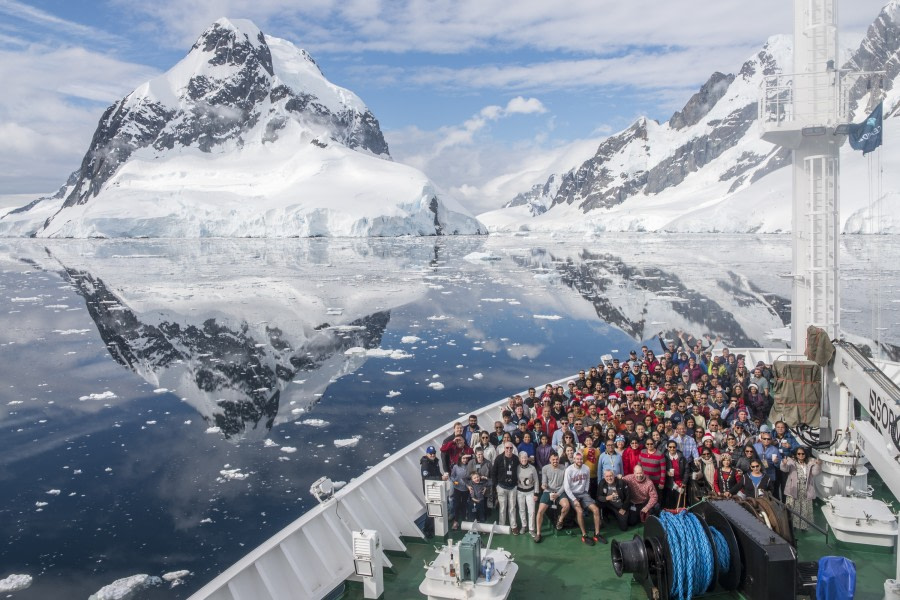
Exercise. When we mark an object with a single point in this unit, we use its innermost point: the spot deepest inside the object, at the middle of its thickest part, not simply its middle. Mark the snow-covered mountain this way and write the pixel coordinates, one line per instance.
(183, 322)
(243, 137)
(706, 168)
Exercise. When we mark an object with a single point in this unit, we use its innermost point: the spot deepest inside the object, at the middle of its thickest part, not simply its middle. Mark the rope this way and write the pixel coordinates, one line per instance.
(722, 549)
(692, 556)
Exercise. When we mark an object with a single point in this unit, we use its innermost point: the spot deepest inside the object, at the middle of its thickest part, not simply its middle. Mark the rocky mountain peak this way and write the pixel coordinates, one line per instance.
(702, 102)
(234, 43)
(226, 91)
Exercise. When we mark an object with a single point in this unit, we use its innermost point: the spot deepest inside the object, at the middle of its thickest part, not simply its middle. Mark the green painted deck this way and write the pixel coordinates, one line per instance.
(561, 563)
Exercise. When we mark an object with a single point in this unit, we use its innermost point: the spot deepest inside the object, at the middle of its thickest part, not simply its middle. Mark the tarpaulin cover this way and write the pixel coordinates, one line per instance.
(836, 579)
(798, 392)
(819, 348)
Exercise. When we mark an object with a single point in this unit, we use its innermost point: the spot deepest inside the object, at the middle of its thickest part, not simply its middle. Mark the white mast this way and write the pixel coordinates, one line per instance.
(806, 111)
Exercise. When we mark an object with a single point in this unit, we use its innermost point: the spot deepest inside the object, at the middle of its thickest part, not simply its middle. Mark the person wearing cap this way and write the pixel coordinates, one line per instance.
(527, 493)
(430, 466)
(743, 417)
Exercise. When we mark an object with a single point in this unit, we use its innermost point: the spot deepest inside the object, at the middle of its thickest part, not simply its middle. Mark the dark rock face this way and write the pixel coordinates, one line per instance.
(214, 110)
(596, 185)
(878, 51)
(700, 103)
(596, 276)
(222, 358)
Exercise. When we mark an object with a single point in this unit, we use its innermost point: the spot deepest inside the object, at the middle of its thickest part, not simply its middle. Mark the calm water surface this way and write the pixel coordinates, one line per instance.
(165, 405)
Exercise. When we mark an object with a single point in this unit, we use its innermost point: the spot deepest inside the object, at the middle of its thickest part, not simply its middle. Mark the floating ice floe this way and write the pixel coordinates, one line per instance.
(120, 589)
(160, 390)
(229, 474)
(389, 410)
(478, 376)
(269, 443)
(54, 492)
(315, 422)
(206, 520)
(493, 299)
(213, 429)
(175, 577)
(436, 385)
(70, 331)
(288, 449)
(348, 443)
(438, 318)
(14, 402)
(548, 317)
(40, 504)
(394, 373)
(26, 299)
(107, 395)
(410, 339)
(15, 583)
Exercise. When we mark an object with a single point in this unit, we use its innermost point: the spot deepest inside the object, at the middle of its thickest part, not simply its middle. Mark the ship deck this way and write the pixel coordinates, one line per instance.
(562, 563)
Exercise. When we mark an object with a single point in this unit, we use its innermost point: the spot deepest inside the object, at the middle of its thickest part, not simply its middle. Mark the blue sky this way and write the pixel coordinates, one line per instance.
(484, 96)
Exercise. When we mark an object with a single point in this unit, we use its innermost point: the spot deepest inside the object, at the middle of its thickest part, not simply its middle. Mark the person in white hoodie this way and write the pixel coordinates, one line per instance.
(576, 486)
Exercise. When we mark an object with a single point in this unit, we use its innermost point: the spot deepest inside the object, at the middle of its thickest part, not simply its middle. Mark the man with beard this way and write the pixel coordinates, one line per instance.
(612, 498)
(576, 486)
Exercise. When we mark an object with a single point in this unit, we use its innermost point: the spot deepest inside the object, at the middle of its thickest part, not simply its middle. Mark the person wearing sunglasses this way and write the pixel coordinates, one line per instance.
(676, 475)
(756, 482)
(799, 489)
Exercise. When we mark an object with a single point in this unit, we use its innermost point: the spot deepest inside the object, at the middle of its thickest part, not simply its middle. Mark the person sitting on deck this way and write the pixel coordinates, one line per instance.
(612, 498)
(552, 480)
(642, 495)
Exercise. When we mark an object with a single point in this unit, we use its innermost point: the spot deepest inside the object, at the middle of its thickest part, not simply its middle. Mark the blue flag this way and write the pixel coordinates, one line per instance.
(867, 136)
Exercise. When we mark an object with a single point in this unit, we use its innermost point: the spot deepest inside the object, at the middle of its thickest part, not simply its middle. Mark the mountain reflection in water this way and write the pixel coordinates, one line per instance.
(247, 359)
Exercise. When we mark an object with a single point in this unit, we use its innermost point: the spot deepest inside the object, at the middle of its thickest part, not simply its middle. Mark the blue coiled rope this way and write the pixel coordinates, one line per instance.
(722, 549)
(692, 556)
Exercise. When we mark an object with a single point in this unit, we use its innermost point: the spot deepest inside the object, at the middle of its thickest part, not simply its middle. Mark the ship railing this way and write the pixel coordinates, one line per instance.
(794, 101)
(313, 556)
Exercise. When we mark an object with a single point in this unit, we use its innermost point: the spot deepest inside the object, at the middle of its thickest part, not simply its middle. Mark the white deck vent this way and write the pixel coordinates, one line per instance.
(367, 562)
(436, 506)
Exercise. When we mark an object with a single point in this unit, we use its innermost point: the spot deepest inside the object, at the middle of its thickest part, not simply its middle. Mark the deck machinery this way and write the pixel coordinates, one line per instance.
(808, 112)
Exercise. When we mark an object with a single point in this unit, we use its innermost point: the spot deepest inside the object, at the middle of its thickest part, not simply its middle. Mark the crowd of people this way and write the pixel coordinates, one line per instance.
(626, 439)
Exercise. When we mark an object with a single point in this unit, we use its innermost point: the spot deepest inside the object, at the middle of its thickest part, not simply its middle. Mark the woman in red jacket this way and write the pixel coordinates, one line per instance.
(631, 456)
